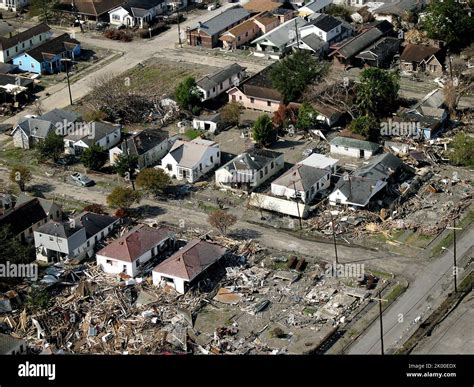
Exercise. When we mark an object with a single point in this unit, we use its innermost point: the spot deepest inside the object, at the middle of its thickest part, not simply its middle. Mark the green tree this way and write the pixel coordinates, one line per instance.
(366, 126)
(263, 131)
(449, 21)
(51, 148)
(377, 92)
(20, 175)
(94, 157)
(123, 197)
(187, 94)
(462, 150)
(293, 74)
(339, 11)
(307, 116)
(153, 180)
(126, 166)
(230, 113)
(38, 299)
(43, 8)
(13, 250)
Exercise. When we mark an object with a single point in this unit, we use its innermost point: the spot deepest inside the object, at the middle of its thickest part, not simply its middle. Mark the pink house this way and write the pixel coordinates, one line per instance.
(257, 93)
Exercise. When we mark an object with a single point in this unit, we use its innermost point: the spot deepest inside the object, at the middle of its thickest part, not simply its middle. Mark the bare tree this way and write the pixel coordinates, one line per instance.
(221, 220)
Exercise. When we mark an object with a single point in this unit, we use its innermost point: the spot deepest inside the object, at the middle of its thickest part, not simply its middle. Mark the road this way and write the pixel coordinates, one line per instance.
(173, 212)
(133, 53)
(423, 296)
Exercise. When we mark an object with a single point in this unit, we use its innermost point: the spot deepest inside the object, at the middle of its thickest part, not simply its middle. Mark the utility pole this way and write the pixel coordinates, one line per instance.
(297, 205)
(179, 26)
(297, 35)
(66, 62)
(334, 238)
(455, 269)
(381, 322)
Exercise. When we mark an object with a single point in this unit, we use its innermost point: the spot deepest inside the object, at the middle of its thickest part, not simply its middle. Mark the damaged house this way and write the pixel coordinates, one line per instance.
(74, 239)
(421, 58)
(130, 252)
(358, 189)
(188, 263)
(352, 147)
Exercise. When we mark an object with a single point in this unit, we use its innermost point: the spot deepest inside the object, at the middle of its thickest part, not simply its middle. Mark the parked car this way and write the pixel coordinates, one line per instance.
(82, 179)
(66, 160)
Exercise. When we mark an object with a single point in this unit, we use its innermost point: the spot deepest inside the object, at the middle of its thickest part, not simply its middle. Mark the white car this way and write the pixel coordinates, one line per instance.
(82, 179)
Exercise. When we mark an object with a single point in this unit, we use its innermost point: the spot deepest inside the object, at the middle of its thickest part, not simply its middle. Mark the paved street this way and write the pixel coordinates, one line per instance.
(423, 296)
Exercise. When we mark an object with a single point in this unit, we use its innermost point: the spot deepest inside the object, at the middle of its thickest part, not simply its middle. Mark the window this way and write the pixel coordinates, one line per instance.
(238, 38)
(16, 48)
(240, 98)
(212, 159)
(233, 97)
(261, 174)
(247, 34)
(31, 42)
(272, 165)
(23, 45)
(20, 63)
(169, 167)
(41, 38)
(269, 103)
(221, 86)
(218, 154)
(8, 52)
(266, 170)
(252, 100)
(108, 262)
(200, 166)
(51, 238)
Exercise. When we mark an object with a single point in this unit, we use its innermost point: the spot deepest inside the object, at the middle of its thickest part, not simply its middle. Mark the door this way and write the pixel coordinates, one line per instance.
(361, 154)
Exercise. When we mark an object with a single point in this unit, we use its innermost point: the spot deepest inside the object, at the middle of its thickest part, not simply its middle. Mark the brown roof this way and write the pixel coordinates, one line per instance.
(23, 216)
(242, 27)
(94, 7)
(6, 43)
(266, 18)
(137, 242)
(191, 260)
(418, 52)
(262, 5)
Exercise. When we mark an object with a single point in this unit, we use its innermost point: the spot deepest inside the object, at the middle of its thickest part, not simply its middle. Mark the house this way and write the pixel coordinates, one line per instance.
(351, 147)
(394, 11)
(16, 88)
(23, 41)
(32, 130)
(103, 134)
(358, 189)
(207, 34)
(345, 51)
(209, 122)
(249, 170)
(302, 182)
(150, 146)
(130, 252)
(277, 42)
(28, 216)
(431, 121)
(257, 93)
(48, 58)
(320, 161)
(190, 160)
(137, 13)
(10, 345)
(418, 57)
(214, 85)
(96, 10)
(13, 5)
(315, 6)
(74, 239)
(187, 264)
(327, 28)
(327, 115)
(381, 53)
(248, 30)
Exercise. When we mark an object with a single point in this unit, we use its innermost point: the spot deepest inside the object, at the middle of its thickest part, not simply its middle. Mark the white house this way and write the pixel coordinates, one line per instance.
(130, 252)
(351, 147)
(249, 170)
(189, 160)
(325, 27)
(358, 189)
(103, 134)
(13, 5)
(15, 45)
(210, 122)
(213, 85)
(302, 182)
(135, 13)
(184, 266)
(149, 146)
(75, 239)
(320, 161)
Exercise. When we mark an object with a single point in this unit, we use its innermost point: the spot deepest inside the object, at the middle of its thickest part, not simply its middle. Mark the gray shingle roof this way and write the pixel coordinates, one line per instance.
(59, 115)
(302, 176)
(325, 22)
(59, 229)
(354, 143)
(36, 128)
(254, 160)
(223, 21)
(209, 81)
(280, 35)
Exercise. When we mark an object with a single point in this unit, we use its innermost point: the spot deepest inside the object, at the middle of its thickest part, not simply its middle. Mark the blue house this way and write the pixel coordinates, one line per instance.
(46, 58)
